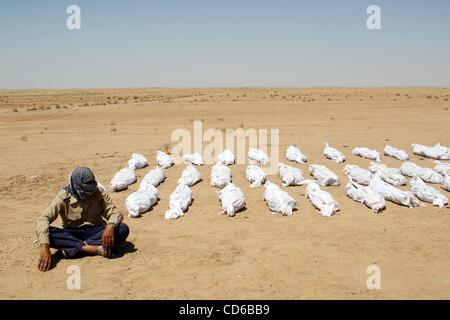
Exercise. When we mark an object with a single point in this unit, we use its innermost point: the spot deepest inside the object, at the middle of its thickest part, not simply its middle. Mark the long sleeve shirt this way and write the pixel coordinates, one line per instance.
(96, 210)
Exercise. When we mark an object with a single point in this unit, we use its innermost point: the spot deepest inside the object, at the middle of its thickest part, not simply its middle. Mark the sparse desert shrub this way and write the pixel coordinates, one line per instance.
(24, 138)
(113, 129)
(15, 110)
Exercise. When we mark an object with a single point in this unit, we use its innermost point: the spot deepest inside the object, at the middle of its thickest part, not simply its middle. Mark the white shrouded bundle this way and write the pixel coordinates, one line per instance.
(323, 175)
(190, 176)
(426, 174)
(122, 179)
(277, 200)
(154, 177)
(232, 199)
(390, 175)
(446, 183)
(435, 152)
(427, 193)
(294, 154)
(137, 161)
(255, 175)
(398, 154)
(179, 201)
(220, 175)
(365, 194)
(194, 158)
(333, 154)
(290, 176)
(321, 200)
(257, 156)
(141, 201)
(358, 174)
(366, 153)
(442, 168)
(392, 193)
(226, 157)
(163, 159)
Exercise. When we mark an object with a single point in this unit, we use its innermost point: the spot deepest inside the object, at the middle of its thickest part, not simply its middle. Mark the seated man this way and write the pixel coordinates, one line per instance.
(83, 208)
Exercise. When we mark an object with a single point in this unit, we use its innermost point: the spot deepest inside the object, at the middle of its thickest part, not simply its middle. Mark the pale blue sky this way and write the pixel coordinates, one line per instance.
(187, 43)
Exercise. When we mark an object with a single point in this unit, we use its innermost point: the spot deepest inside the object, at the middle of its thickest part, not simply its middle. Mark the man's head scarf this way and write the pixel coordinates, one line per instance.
(82, 183)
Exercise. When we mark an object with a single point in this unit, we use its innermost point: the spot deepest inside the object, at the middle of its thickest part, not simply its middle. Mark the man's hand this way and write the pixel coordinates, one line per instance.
(108, 237)
(45, 259)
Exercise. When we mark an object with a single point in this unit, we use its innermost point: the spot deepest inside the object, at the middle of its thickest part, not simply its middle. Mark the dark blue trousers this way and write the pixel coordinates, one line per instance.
(72, 240)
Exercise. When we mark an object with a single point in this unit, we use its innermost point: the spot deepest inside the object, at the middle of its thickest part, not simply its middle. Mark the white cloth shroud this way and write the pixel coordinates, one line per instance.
(257, 156)
(137, 161)
(290, 176)
(277, 200)
(426, 193)
(220, 175)
(163, 159)
(366, 153)
(358, 174)
(435, 152)
(154, 177)
(232, 199)
(398, 154)
(365, 195)
(323, 175)
(390, 175)
(255, 175)
(190, 176)
(141, 201)
(294, 154)
(411, 169)
(226, 157)
(321, 200)
(179, 201)
(392, 193)
(442, 168)
(194, 158)
(446, 183)
(122, 179)
(333, 154)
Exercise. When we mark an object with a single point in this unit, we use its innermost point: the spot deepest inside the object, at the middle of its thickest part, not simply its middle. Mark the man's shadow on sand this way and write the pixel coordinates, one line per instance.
(118, 251)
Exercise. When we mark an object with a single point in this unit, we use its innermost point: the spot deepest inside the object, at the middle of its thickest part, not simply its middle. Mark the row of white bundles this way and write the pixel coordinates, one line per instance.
(122, 179)
(181, 197)
(358, 174)
(277, 200)
(333, 154)
(194, 158)
(226, 157)
(435, 152)
(137, 161)
(220, 175)
(442, 168)
(398, 154)
(426, 193)
(366, 153)
(163, 160)
(294, 154)
(255, 175)
(323, 175)
(392, 193)
(428, 175)
(390, 175)
(257, 156)
(365, 195)
(290, 176)
(322, 200)
(232, 199)
(147, 195)
(179, 201)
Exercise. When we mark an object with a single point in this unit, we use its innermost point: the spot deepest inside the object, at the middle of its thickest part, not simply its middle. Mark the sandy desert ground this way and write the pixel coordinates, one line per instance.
(204, 255)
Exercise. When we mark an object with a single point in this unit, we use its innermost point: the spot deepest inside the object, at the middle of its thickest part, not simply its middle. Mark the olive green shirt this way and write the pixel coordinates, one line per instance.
(76, 213)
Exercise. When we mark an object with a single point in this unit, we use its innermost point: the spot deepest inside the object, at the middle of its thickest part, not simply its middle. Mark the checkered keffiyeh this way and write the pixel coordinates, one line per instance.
(82, 183)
